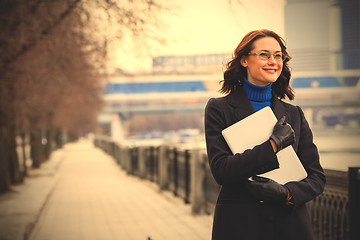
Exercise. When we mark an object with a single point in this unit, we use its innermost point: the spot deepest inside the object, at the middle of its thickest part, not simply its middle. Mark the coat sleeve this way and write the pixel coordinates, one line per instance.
(314, 183)
(226, 167)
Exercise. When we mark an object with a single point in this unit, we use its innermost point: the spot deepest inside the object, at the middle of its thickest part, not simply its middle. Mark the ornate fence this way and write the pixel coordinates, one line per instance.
(185, 172)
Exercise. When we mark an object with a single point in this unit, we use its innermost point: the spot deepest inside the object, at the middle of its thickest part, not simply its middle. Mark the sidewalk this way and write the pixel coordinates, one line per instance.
(84, 194)
(20, 207)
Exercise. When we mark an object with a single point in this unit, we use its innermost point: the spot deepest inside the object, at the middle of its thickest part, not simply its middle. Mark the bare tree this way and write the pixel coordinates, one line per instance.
(53, 53)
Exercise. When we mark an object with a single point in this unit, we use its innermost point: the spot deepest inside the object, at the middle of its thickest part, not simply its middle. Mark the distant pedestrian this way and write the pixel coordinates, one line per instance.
(258, 76)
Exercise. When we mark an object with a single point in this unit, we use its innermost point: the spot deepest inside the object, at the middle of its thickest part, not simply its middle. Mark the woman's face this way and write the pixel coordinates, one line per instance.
(262, 71)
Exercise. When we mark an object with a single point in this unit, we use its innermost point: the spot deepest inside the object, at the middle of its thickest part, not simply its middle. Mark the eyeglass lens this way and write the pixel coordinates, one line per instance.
(277, 56)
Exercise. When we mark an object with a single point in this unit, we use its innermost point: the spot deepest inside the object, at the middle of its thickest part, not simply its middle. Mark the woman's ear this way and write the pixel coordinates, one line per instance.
(243, 61)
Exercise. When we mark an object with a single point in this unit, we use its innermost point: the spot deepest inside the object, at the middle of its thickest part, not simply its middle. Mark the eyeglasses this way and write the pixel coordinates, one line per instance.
(266, 56)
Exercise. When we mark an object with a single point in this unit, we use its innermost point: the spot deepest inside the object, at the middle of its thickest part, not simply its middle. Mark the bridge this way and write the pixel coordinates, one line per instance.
(168, 93)
(126, 96)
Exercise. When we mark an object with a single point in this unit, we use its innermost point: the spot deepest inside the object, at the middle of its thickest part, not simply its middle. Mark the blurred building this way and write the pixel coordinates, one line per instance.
(323, 39)
(196, 64)
(323, 35)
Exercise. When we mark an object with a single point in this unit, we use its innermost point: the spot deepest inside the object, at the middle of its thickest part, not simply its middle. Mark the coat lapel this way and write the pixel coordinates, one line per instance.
(243, 107)
(279, 109)
(241, 103)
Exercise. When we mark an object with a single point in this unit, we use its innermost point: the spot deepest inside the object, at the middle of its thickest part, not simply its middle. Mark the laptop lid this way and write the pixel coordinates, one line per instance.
(255, 130)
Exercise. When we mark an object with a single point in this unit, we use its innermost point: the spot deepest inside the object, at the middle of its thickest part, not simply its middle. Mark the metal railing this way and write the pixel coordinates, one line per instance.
(185, 172)
(330, 216)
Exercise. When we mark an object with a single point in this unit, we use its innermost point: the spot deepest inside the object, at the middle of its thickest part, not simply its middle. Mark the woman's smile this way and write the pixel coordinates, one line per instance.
(270, 70)
(261, 66)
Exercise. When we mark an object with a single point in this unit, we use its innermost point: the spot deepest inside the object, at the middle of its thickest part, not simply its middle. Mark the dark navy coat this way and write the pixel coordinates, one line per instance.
(238, 215)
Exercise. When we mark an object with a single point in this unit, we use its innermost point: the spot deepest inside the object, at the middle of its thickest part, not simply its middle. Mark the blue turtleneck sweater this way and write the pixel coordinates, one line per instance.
(259, 97)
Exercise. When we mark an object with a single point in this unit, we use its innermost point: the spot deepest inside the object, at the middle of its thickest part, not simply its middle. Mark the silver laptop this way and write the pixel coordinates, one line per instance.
(255, 130)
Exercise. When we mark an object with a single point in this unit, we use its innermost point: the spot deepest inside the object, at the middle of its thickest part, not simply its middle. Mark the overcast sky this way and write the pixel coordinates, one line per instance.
(208, 26)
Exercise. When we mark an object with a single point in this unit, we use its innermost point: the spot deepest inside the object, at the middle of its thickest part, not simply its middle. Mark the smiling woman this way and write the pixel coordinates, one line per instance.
(258, 76)
(248, 64)
(268, 69)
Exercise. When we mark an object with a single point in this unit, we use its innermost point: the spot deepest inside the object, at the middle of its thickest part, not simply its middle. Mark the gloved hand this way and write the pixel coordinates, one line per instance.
(265, 189)
(283, 134)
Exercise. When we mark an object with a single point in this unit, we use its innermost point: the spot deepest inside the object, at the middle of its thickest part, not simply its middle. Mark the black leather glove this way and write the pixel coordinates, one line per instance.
(265, 189)
(283, 134)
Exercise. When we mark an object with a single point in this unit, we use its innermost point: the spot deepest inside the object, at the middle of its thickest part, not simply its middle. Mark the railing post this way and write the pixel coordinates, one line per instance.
(163, 179)
(127, 159)
(112, 148)
(354, 202)
(132, 160)
(152, 163)
(118, 157)
(122, 158)
(176, 172)
(197, 196)
(116, 152)
(142, 162)
(187, 176)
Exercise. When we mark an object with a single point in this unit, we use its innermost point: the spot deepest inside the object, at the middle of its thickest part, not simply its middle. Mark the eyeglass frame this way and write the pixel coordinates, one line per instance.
(283, 57)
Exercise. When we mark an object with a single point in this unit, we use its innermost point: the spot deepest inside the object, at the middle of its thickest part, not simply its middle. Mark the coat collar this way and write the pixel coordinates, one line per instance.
(241, 103)
(279, 108)
(243, 107)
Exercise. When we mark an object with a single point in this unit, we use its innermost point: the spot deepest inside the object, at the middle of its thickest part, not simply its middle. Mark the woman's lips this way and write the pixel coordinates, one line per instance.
(271, 70)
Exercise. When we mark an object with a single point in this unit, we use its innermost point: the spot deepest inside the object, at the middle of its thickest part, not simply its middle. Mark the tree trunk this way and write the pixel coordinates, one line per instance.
(36, 148)
(49, 146)
(5, 181)
(23, 150)
(58, 139)
(14, 167)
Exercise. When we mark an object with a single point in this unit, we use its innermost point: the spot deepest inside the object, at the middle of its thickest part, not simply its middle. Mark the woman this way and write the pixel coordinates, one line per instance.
(258, 76)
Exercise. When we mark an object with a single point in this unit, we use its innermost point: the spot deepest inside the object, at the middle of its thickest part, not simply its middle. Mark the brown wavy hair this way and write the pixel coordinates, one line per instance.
(235, 72)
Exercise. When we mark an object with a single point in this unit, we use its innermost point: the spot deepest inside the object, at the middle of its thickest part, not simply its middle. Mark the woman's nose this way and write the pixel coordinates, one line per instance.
(272, 59)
